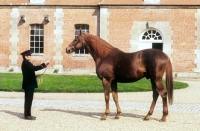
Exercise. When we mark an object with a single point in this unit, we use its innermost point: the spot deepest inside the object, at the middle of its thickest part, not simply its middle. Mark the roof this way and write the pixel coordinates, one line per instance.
(51, 2)
(72, 2)
(141, 2)
(97, 2)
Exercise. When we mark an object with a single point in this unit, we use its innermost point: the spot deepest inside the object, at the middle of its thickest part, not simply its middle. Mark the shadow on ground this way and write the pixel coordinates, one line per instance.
(17, 114)
(97, 115)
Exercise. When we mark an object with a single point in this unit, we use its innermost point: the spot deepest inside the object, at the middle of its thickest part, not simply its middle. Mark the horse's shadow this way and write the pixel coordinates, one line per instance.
(97, 115)
(87, 114)
(17, 114)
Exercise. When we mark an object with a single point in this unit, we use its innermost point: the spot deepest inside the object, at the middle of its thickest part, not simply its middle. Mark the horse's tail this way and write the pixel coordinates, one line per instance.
(169, 82)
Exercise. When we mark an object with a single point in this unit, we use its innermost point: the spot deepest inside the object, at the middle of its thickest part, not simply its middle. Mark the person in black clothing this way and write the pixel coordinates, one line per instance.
(29, 82)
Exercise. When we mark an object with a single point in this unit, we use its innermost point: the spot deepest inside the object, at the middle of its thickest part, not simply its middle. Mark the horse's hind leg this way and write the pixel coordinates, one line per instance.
(165, 109)
(155, 97)
(115, 97)
(163, 93)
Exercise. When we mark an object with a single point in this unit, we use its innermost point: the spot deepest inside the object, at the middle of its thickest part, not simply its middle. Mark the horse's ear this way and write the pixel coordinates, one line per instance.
(80, 32)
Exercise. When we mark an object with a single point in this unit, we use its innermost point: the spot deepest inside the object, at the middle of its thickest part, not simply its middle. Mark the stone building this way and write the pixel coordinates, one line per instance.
(48, 26)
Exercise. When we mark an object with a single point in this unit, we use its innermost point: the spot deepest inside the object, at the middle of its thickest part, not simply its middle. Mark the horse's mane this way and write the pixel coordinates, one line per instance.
(100, 47)
(99, 41)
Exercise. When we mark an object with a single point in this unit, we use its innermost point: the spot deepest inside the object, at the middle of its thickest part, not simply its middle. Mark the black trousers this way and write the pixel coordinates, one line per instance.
(28, 102)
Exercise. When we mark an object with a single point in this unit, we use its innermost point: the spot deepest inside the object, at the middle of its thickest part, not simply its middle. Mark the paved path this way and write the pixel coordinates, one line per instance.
(129, 101)
(99, 105)
(82, 111)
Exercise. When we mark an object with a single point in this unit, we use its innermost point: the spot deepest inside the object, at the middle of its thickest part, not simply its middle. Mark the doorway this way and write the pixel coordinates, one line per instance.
(157, 46)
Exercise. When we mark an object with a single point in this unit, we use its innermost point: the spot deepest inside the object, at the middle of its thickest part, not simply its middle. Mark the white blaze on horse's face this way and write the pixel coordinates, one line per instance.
(74, 45)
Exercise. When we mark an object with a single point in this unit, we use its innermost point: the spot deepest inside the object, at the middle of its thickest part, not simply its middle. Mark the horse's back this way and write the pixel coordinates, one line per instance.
(134, 66)
(153, 53)
(154, 57)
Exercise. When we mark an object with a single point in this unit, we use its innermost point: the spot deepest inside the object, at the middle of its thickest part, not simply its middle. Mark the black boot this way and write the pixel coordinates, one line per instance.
(30, 117)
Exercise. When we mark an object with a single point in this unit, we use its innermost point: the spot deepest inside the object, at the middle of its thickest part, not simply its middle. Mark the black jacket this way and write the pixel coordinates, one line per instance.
(28, 70)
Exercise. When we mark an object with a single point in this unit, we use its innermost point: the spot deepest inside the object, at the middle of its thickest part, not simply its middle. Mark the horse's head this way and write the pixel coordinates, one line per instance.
(76, 44)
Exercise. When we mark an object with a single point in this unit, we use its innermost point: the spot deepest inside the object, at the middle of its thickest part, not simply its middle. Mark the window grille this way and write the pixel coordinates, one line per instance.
(151, 35)
(37, 38)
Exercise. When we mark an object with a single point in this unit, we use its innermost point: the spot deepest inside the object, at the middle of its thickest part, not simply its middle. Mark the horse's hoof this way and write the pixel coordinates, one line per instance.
(116, 117)
(162, 120)
(146, 119)
(103, 119)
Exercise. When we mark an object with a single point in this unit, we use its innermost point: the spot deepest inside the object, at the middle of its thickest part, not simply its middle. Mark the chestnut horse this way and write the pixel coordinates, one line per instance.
(114, 65)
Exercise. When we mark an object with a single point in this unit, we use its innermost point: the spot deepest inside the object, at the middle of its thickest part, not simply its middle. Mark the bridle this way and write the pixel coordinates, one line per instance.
(74, 45)
(76, 41)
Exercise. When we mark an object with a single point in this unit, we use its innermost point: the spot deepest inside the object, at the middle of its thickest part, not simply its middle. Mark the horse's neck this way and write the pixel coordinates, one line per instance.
(98, 48)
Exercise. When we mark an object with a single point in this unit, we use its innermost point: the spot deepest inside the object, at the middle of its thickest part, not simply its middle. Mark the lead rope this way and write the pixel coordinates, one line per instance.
(39, 77)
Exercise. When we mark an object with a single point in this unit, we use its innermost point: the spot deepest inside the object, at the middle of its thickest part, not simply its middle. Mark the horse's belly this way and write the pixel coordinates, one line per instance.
(128, 78)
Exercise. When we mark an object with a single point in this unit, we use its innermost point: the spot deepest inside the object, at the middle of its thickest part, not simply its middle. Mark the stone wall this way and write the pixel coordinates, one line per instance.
(179, 27)
(121, 26)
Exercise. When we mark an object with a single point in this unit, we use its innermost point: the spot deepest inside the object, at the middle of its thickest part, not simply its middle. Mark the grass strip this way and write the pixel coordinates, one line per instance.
(75, 84)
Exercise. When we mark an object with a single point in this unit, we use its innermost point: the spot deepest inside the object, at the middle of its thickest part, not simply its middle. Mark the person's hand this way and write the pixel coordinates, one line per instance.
(47, 62)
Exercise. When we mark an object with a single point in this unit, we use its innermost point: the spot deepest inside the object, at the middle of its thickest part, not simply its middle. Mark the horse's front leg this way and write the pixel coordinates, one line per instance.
(115, 98)
(106, 85)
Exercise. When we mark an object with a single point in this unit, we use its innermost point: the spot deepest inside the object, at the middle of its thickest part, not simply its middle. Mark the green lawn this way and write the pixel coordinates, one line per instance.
(72, 83)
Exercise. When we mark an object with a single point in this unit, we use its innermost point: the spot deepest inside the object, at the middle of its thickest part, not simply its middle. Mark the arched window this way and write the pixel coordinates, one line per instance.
(151, 35)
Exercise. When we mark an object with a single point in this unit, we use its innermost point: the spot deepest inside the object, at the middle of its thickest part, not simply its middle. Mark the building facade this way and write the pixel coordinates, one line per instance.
(48, 26)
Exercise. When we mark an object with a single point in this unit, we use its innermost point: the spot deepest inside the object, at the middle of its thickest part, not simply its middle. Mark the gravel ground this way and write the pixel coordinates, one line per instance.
(82, 111)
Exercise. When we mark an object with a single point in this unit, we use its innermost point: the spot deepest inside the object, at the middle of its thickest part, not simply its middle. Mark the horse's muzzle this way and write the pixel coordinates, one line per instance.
(69, 50)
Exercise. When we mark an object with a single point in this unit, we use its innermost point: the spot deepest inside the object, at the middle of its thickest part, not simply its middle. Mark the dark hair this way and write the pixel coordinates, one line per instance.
(23, 56)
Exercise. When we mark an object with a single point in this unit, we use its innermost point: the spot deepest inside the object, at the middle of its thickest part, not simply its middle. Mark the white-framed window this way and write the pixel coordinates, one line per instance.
(151, 1)
(37, 38)
(37, 1)
(151, 38)
(85, 29)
